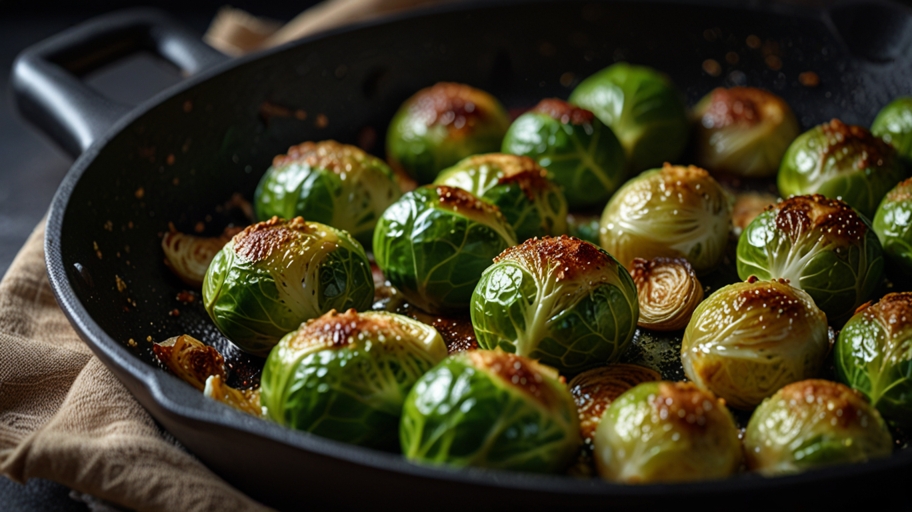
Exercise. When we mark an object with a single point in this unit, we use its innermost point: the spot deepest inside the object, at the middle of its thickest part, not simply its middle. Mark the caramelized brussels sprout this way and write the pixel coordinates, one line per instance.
(673, 212)
(747, 340)
(559, 300)
(841, 162)
(821, 246)
(491, 409)
(894, 124)
(873, 355)
(668, 292)
(434, 243)
(345, 376)
(190, 360)
(813, 423)
(595, 389)
(666, 432)
(276, 274)
(743, 131)
(328, 182)
(189, 256)
(440, 126)
(533, 205)
(643, 109)
(581, 154)
(893, 225)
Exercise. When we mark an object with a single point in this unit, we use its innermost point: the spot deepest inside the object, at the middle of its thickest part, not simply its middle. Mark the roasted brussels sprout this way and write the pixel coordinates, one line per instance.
(747, 340)
(276, 274)
(893, 225)
(666, 432)
(894, 124)
(642, 107)
(673, 212)
(491, 409)
(434, 243)
(533, 205)
(440, 126)
(873, 355)
(821, 246)
(743, 131)
(345, 376)
(595, 389)
(813, 423)
(189, 256)
(328, 182)
(581, 154)
(840, 161)
(668, 292)
(560, 300)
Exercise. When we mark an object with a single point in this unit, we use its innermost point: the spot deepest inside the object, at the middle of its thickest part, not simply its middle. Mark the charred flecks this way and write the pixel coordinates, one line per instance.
(800, 214)
(569, 256)
(517, 371)
(867, 149)
(328, 154)
(564, 112)
(257, 242)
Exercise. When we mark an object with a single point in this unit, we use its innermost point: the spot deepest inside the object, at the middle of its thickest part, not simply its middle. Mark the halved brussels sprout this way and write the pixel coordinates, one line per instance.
(747, 340)
(491, 409)
(345, 376)
(560, 300)
(671, 212)
(581, 154)
(331, 183)
(190, 360)
(276, 274)
(440, 126)
(668, 292)
(893, 225)
(840, 161)
(813, 423)
(533, 205)
(189, 256)
(743, 131)
(894, 124)
(434, 243)
(821, 246)
(642, 107)
(595, 389)
(666, 432)
(874, 355)
(244, 400)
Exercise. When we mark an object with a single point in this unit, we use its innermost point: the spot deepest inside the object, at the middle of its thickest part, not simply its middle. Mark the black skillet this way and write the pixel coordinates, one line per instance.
(180, 156)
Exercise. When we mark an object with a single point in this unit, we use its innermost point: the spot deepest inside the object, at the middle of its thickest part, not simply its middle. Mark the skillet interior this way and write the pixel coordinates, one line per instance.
(182, 155)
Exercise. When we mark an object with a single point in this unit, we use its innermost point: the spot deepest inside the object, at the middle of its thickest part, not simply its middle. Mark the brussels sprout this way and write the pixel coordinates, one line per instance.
(434, 243)
(440, 126)
(643, 109)
(674, 212)
(276, 274)
(189, 256)
(595, 389)
(747, 340)
(894, 124)
(841, 162)
(668, 292)
(813, 423)
(560, 300)
(821, 246)
(533, 205)
(743, 131)
(874, 355)
(345, 376)
(328, 182)
(491, 409)
(666, 432)
(581, 154)
(893, 225)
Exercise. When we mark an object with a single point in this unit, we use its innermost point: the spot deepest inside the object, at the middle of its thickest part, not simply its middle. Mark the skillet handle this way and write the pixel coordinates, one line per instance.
(46, 81)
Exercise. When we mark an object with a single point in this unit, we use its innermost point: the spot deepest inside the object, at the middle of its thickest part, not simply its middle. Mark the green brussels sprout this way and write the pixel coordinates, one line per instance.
(841, 162)
(894, 124)
(559, 300)
(666, 432)
(873, 355)
(747, 340)
(581, 154)
(675, 212)
(642, 107)
(893, 225)
(345, 376)
(276, 274)
(434, 243)
(440, 126)
(328, 182)
(821, 246)
(743, 131)
(491, 409)
(811, 424)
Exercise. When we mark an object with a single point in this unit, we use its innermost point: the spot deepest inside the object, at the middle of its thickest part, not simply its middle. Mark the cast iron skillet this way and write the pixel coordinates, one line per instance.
(180, 156)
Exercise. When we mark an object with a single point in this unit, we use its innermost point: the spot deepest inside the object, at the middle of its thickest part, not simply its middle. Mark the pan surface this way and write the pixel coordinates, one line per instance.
(181, 157)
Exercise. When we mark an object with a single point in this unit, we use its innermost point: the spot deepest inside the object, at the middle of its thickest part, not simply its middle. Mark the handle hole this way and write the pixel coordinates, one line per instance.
(134, 78)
